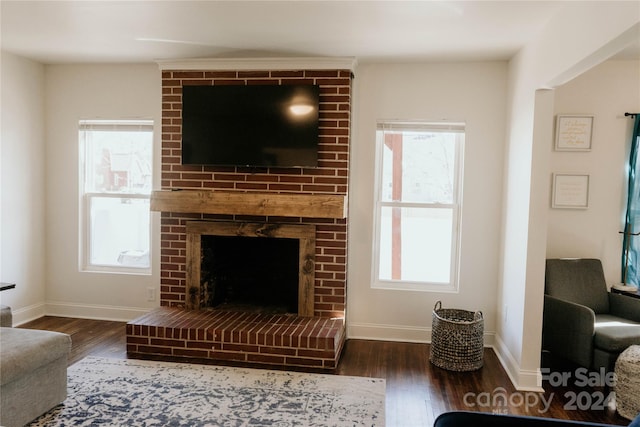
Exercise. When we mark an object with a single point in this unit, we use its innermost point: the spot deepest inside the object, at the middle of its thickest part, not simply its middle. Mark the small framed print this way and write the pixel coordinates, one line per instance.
(573, 133)
(570, 191)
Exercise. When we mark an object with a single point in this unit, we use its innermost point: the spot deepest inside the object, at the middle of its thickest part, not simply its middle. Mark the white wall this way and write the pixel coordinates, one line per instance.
(579, 37)
(473, 93)
(75, 92)
(606, 92)
(22, 177)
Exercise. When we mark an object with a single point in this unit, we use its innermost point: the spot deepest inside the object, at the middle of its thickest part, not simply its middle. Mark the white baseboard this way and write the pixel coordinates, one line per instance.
(27, 314)
(522, 380)
(367, 331)
(92, 311)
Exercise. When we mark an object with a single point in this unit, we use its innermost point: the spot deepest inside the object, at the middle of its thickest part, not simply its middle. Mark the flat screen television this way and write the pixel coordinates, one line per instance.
(255, 125)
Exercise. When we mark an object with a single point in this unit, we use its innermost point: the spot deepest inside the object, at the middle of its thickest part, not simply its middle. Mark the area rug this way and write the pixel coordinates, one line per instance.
(119, 392)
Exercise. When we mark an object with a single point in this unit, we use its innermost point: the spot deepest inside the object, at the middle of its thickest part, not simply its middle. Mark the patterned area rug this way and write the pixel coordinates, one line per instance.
(117, 392)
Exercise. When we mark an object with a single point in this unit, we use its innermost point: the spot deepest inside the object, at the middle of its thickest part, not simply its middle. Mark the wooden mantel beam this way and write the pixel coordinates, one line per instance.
(237, 203)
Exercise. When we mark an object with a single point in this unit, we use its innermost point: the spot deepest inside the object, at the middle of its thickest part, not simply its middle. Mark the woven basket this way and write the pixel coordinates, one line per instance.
(627, 370)
(457, 339)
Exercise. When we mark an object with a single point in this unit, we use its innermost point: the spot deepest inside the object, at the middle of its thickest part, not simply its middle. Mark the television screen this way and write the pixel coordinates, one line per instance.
(250, 125)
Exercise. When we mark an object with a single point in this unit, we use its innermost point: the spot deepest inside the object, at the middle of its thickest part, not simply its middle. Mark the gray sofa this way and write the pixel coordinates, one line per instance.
(582, 322)
(33, 373)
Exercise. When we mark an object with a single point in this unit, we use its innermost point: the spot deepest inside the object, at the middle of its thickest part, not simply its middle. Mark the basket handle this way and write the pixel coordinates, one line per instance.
(477, 315)
(438, 305)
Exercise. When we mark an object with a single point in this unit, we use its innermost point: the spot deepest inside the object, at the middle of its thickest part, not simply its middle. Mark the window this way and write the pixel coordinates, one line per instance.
(115, 170)
(417, 213)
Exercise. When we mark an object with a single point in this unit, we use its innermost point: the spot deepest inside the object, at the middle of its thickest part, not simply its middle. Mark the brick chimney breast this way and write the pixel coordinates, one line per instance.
(329, 178)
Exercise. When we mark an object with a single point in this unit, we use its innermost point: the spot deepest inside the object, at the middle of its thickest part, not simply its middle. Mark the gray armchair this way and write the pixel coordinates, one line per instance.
(582, 321)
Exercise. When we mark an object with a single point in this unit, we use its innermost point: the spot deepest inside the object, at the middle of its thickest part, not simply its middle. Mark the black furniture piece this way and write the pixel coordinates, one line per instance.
(485, 419)
(582, 321)
(635, 294)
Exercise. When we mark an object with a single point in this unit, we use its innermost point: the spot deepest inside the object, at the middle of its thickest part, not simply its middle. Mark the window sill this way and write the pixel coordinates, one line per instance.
(415, 286)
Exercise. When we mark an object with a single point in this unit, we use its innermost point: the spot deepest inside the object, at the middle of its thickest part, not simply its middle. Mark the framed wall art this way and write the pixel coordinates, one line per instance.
(570, 191)
(573, 132)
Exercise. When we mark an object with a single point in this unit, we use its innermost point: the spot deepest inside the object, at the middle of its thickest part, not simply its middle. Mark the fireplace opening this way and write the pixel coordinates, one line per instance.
(250, 274)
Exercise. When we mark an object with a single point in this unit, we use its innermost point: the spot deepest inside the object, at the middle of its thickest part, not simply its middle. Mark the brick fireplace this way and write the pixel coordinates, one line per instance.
(308, 204)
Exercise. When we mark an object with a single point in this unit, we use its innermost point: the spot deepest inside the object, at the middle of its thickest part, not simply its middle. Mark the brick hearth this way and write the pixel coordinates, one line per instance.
(310, 342)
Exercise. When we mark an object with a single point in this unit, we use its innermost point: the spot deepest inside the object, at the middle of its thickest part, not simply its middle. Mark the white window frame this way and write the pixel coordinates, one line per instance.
(86, 198)
(456, 207)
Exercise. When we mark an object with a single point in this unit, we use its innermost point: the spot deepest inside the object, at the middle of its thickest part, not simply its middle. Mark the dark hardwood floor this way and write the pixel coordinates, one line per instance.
(417, 391)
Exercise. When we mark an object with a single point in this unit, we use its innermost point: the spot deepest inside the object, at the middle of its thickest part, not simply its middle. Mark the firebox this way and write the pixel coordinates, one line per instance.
(260, 267)
(249, 274)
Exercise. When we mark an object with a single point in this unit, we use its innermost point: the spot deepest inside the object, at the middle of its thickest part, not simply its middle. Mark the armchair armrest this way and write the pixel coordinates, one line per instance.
(624, 306)
(568, 329)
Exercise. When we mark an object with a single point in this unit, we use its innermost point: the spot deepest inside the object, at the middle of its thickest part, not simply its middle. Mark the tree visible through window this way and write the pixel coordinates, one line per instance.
(418, 205)
(116, 171)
